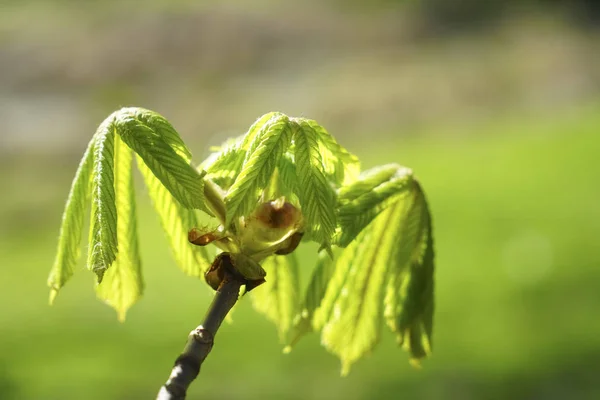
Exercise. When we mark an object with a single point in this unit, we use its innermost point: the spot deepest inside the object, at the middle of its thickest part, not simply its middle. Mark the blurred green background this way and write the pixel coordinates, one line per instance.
(496, 106)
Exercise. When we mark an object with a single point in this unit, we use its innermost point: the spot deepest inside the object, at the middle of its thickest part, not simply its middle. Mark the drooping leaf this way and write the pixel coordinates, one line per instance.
(317, 196)
(319, 281)
(368, 279)
(176, 221)
(71, 229)
(161, 127)
(256, 127)
(341, 166)
(262, 158)
(102, 247)
(351, 313)
(409, 302)
(360, 202)
(122, 284)
(277, 299)
(161, 149)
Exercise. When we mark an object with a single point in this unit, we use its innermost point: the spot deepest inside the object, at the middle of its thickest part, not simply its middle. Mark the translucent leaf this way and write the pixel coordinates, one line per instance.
(317, 196)
(315, 292)
(154, 140)
(102, 248)
(223, 166)
(262, 158)
(339, 164)
(71, 229)
(351, 311)
(288, 178)
(161, 127)
(374, 191)
(122, 284)
(255, 129)
(277, 299)
(409, 301)
(176, 221)
(366, 273)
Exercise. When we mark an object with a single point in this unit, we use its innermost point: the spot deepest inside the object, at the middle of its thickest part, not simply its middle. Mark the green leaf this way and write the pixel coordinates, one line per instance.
(223, 166)
(161, 149)
(374, 191)
(340, 165)
(176, 221)
(315, 292)
(366, 277)
(257, 127)
(102, 248)
(317, 196)
(161, 127)
(71, 229)
(262, 158)
(122, 284)
(351, 312)
(277, 298)
(409, 301)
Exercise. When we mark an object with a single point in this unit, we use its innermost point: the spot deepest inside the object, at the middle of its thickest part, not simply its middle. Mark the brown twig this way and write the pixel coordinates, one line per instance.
(201, 339)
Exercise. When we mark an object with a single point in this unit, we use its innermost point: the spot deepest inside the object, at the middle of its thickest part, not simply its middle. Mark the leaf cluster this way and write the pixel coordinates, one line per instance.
(376, 262)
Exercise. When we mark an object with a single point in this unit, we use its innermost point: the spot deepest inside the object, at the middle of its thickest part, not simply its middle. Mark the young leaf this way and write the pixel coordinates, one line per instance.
(159, 145)
(409, 302)
(122, 283)
(176, 221)
(102, 248)
(317, 197)
(351, 312)
(223, 166)
(370, 273)
(257, 127)
(277, 299)
(374, 191)
(341, 166)
(262, 158)
(315, 292)
(161, 127)
(71, 228)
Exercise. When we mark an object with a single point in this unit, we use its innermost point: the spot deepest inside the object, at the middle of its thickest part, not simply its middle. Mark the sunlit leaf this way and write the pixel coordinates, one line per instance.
(341, 166)
(102, 244)
(277, 299)
(409, 295)
(262, 158)
(317, 196)
(71, 229)
(256, 128)
(351, 312)
(369, 277)
(224, 165)
(122, 284)
(319, 281)
(159, 126)
(374, 191)
(176, 221)
(162, 151)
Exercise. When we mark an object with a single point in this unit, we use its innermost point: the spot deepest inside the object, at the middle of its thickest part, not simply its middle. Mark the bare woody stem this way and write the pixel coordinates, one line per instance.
(200, 341)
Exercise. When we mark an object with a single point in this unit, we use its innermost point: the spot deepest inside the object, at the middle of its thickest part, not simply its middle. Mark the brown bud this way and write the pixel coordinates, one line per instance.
(277, 215)
(196, 237)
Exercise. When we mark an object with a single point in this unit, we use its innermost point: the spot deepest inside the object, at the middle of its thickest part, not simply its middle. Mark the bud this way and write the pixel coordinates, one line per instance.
(270, 228)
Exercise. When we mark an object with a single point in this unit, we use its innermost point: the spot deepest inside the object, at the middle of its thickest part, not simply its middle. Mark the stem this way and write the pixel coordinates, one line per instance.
(214, 197)
(200, 341)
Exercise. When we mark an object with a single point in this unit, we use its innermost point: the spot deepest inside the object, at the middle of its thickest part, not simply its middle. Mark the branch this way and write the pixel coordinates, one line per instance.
(201, 340)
